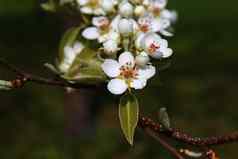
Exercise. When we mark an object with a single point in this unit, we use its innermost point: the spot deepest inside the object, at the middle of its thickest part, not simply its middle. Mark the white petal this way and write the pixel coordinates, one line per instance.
(82, 2)
(165, 23)
(86, 10)
(147, 72)
(111, 68)
(139, 40)
(159, 3)
(97, 21)
(115, 22)
(99, 11)
(110, 47)
(102, 38)
(171, 15)
(69, 53)
(126, 58)
(91, 33)
(167, 53)
(117, 86)
(135, 25)
(114, 36)
(163, 43)
(138, 83)
(150, 38)
(158, 54)
(78, 47)
(107, 5)
(156, 25)
(166, 33)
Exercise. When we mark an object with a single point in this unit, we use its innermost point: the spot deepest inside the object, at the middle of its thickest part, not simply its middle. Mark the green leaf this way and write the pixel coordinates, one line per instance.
(52, 68)
(49, 6)
(164, 118)
(68, 38)
(86, 68)
(128, 115)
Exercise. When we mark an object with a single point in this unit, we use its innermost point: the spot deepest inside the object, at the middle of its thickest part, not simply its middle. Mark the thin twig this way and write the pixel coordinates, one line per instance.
(144, 122)
(168, 147)
(25, 77)
(180, 136)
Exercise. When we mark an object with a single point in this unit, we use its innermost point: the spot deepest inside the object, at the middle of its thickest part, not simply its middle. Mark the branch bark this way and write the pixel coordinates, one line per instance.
(150, 127)
(168, 147)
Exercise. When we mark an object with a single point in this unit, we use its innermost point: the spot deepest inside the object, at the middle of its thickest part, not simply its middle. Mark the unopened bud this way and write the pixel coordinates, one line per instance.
(110, 47)
(126, 9)
(107, 5)
(125, 27)
(142, 59)
(139, 11)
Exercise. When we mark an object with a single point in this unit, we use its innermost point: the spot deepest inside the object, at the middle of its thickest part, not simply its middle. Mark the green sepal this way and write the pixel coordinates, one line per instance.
(128, 115)
(52, 68)
(49, 6)
(164, 118)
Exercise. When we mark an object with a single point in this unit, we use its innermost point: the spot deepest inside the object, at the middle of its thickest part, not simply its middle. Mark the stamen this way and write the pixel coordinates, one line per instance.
(153, 47)
(128, 72)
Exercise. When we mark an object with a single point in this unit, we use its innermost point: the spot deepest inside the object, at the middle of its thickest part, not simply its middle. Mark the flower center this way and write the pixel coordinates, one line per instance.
(156, 10)
(128, 72)
(144, 24)
(153, 47)
(103, 23)
(144, 27)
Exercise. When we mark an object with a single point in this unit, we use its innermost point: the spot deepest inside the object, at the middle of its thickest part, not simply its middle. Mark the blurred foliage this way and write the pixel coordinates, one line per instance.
(199, 88)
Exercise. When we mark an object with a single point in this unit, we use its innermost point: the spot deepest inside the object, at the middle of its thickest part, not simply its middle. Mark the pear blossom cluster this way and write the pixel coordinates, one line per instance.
(130, 33)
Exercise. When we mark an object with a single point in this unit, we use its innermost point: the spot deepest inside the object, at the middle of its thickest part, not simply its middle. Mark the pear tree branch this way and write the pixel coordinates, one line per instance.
(150, 127)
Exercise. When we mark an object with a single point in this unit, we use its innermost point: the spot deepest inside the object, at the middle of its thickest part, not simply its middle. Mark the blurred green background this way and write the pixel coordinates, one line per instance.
(199, 88)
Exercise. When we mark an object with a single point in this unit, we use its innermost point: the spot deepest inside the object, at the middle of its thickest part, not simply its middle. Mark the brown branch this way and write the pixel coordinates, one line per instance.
(24, 77)
(180, 136)
(151, 128)
(168, 147)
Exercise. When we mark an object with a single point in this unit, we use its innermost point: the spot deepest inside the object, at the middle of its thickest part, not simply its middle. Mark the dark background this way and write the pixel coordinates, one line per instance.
(199, 88)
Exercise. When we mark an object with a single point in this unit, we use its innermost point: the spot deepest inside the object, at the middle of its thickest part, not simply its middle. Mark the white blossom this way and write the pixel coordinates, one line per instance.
(108, 5)
(149, 23)
(126, 74)
(139, 10)
(91, 7)
(101, 24)
(122, 27)
(102, 30)
(126, 27)
(172, 16)
(155, 6)
(142, 59)
(155, 46)
(110, 47)
(126, 8)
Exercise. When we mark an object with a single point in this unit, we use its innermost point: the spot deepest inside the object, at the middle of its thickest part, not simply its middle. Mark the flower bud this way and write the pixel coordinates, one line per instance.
(139, 11)
(126, 9)
(125, 27)
(107, 5)
(110, 47)
(142, 59)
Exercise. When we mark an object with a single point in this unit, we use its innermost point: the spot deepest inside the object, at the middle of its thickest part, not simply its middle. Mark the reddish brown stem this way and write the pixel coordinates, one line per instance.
(180, 136)
(144, 122)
